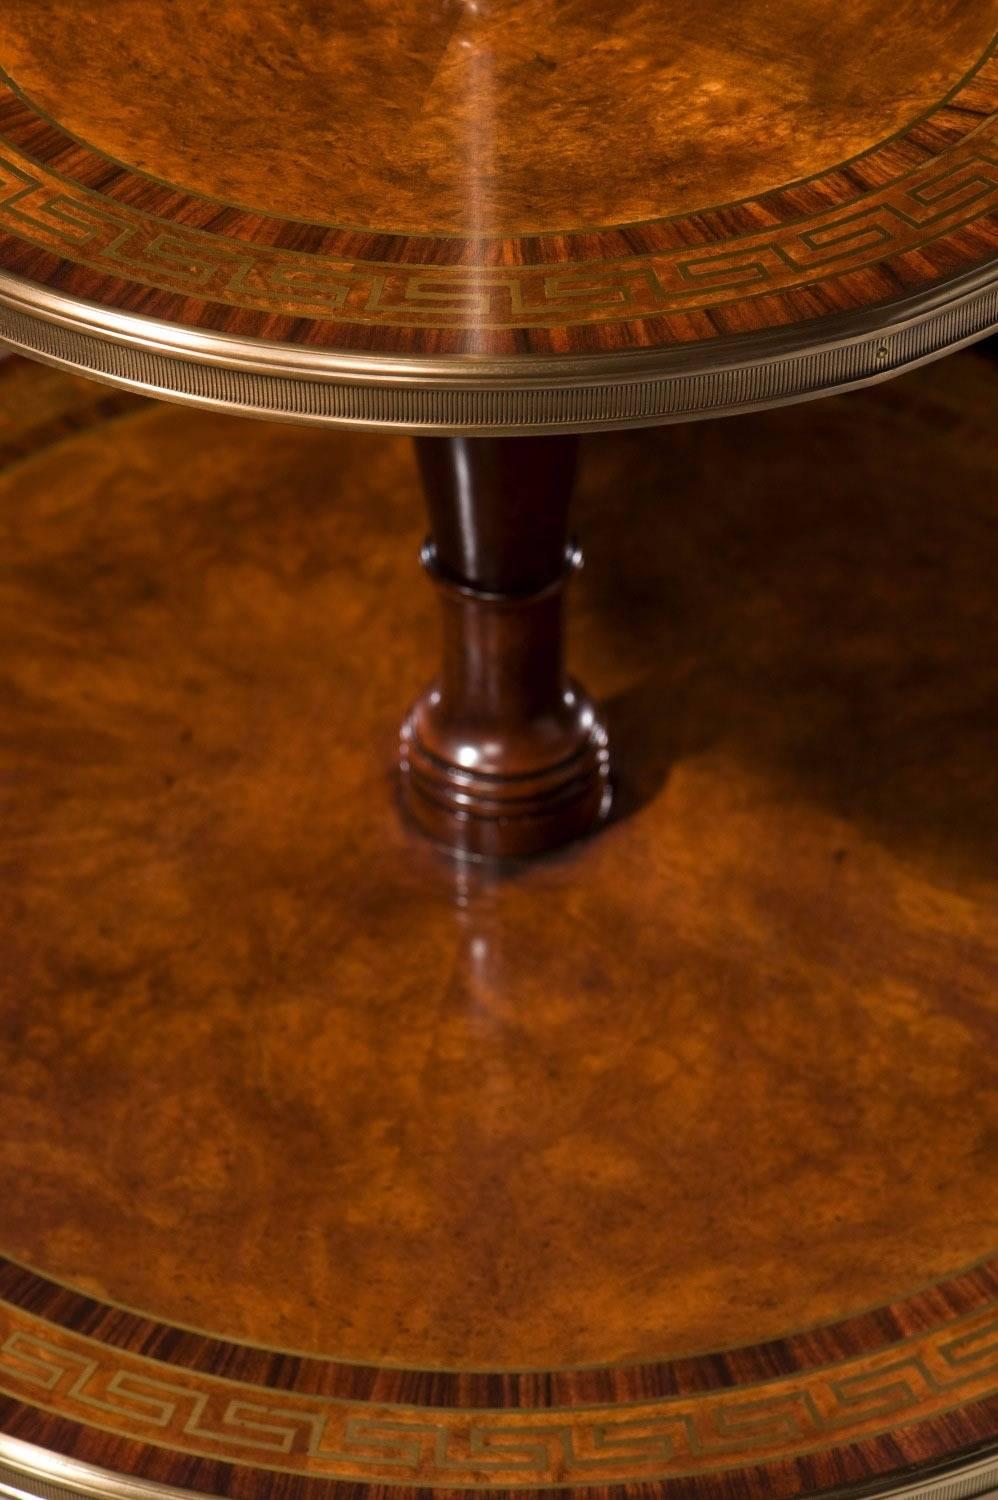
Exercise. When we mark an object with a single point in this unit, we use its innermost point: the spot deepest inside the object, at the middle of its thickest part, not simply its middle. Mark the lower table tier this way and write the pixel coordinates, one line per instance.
(667, 1162)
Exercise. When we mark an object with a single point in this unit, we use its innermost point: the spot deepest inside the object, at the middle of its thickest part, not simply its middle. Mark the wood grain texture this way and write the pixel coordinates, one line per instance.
(502, 180)
(668, 1165)
(463, 118)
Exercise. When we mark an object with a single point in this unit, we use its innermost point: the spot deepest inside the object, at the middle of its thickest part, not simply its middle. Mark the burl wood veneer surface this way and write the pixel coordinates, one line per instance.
(484, 116)
(274, 1068)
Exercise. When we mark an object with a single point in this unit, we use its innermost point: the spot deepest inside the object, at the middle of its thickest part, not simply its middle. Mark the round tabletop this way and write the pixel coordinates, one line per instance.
(662, 1167)
(497, 215)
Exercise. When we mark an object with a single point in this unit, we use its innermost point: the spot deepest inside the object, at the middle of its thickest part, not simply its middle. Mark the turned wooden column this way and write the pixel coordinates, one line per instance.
(503, 754)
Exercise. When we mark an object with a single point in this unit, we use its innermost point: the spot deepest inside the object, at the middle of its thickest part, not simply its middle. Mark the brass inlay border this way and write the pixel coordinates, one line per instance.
(112, 1391)
(80, 225)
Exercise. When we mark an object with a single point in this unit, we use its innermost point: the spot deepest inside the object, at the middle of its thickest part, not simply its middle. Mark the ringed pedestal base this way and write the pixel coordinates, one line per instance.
(661, 1165)
(504, 756)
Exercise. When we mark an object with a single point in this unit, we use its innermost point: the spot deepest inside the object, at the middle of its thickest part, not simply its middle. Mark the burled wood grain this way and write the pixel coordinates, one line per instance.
(706, 1109)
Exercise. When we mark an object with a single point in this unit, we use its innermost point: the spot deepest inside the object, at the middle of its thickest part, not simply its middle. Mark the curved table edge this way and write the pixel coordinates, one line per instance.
(483, 396)
(28, 1472)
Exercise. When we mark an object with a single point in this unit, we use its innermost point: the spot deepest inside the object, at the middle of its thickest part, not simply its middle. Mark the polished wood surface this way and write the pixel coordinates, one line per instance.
(470, 117)
(706, 1108)
(469, 177)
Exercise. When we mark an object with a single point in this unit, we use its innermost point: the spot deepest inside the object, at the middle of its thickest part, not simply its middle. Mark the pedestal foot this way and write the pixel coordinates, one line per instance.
(504, 755)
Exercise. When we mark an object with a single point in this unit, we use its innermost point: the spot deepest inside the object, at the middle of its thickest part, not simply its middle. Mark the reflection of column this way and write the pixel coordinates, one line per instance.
(478, 74)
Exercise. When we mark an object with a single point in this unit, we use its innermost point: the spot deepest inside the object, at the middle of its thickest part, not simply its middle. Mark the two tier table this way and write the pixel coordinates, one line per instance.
(425, 1069)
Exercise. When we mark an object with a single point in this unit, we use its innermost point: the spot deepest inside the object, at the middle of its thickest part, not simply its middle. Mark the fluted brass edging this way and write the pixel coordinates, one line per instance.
(28, 1472)
(482, 395)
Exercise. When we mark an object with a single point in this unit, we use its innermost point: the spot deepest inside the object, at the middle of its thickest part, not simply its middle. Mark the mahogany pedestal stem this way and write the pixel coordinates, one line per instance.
(504, 754)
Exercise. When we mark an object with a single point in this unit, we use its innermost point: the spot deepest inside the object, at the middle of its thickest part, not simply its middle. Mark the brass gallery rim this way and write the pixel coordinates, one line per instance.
(251, 377)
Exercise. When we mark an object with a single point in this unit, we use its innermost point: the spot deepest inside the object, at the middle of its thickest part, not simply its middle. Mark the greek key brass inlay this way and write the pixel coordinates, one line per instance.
(90, 230)
(100, 1387)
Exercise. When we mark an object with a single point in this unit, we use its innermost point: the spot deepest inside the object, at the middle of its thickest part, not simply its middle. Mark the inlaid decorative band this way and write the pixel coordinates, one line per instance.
(928, 1376)
(959, 192)
(912, 1384)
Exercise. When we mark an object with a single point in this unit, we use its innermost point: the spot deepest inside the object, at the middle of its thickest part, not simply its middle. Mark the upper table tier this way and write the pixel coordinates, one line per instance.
(485, 215)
